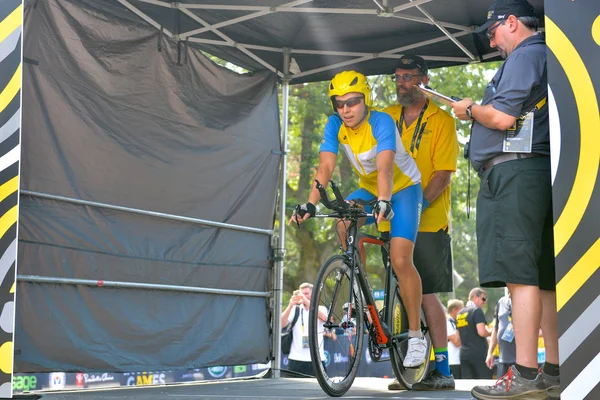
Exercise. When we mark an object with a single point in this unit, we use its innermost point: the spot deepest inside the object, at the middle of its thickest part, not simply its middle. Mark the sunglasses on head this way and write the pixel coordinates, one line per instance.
(351, 102)
(405, 77)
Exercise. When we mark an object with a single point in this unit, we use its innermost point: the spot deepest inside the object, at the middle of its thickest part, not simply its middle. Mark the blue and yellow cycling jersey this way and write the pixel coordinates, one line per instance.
(362, 145)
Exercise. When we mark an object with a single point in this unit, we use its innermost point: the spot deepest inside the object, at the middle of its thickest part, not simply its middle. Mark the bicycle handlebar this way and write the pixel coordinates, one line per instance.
(342, 208)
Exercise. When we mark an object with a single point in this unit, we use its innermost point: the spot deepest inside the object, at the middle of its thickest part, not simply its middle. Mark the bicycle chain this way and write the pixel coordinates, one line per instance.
(375, 351)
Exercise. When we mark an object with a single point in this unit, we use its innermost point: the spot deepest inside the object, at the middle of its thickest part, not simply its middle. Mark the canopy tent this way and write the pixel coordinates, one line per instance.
(324, 36)
(83, 46)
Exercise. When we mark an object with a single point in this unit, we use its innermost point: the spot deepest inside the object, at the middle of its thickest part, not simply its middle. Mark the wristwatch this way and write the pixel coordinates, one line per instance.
(468, 111)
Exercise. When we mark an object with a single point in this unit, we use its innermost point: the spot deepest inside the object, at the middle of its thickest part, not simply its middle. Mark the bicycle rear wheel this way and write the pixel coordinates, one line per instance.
(335, 362)
(399, 324)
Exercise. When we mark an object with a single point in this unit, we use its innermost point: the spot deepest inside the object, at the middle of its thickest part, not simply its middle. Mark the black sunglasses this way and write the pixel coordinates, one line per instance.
(405, 77)
(484, 299)
(351, 102)
(490, 33)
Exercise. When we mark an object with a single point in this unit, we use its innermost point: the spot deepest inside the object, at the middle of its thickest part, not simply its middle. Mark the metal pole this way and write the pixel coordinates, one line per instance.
(146, 212)
(445, 32)
(137, 285)
(280, 250)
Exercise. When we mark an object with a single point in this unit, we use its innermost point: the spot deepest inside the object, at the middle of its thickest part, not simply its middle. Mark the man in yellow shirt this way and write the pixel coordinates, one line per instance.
(429, 136)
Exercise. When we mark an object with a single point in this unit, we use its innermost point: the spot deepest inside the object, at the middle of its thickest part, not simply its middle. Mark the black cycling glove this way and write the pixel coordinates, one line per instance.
(384, 207)
(306, 208)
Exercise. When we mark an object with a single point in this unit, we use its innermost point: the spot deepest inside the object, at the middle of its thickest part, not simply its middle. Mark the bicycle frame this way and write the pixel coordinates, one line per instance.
(341, 285)
(352, 255)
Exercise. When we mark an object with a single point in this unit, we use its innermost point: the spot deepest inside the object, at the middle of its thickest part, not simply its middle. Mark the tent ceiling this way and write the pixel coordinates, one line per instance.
(326, 36)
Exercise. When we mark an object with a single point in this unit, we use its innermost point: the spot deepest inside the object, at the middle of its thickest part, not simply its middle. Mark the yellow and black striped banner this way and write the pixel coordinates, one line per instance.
(573, 38)
(11, 22)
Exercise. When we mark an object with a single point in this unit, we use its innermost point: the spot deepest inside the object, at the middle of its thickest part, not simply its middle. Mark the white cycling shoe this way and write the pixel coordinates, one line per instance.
(415, 353)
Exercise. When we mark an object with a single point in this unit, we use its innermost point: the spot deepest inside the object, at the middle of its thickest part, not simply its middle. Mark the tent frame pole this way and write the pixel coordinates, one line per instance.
(130, 210)
(280, 248)
(99, 283)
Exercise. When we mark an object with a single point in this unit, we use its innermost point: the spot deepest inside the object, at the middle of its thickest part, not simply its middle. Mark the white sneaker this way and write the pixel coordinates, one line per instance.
(415, 353)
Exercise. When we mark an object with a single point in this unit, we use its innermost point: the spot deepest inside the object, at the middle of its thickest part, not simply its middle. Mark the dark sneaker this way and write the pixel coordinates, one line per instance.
(511, 386)
(396, 385)
(551, 384)
(435, 380)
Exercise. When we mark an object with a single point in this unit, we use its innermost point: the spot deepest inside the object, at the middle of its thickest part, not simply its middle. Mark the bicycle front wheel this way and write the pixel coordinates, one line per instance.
(336, 310)
(399, 324)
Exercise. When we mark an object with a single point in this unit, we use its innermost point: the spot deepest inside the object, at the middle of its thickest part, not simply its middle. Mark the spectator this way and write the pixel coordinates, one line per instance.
(454, 306)
(299, 357)
(473, 332)
(503, 335)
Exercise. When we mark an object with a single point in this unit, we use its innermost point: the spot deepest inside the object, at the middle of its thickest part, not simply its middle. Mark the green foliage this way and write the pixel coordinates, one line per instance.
(309, 246)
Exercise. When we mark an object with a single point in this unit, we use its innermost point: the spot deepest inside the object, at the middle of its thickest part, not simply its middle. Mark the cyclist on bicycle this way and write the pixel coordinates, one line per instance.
(386, 172)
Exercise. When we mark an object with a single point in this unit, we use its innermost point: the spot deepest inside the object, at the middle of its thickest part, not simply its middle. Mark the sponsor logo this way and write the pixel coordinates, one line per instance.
(57, 380)
(461, 320)
(327, 358)
(92, 378)
(79, 379)
(145, 379)
(379, 334)
(24, 383)
(259, 367)
(378, 294)
(339, 358)
(196, 375)
(217, 372)
(240, 369)
(397, 320)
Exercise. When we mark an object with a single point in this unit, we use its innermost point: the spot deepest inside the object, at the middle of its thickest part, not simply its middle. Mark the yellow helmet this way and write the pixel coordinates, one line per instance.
(350, 82)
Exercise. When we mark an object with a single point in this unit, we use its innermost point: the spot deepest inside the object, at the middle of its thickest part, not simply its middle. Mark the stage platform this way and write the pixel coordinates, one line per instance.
(262, 389)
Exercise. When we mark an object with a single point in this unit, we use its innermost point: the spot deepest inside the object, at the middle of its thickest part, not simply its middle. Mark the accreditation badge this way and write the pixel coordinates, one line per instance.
(509, 333)
(519, 137)
(305, 342)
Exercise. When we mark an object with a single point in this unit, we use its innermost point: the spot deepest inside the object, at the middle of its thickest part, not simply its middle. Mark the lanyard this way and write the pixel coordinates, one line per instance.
(302, 317)
(418, 133)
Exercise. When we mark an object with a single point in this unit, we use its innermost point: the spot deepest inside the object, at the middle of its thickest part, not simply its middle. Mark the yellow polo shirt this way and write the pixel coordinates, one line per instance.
(435, 149)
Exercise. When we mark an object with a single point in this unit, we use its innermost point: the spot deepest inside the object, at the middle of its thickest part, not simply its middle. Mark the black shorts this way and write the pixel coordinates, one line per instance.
(475, 369)
(515, 241)
(433, 260)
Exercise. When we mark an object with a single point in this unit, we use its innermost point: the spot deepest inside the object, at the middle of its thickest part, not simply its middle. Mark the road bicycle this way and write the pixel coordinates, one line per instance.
(342, 301)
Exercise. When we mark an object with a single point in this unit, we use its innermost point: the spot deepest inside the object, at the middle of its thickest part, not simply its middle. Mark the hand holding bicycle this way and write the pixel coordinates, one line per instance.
(302, 212)
(383, 211)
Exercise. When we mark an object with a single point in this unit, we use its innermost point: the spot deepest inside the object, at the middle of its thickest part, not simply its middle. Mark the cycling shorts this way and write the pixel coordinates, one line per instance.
(406, 204)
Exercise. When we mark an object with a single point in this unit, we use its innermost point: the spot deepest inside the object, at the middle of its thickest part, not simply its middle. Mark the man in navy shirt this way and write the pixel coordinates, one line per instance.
(473, 331)
(509, 148)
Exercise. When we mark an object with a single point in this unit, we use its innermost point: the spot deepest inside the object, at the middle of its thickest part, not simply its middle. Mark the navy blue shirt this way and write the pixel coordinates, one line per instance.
(473, 347)
(516, 88)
